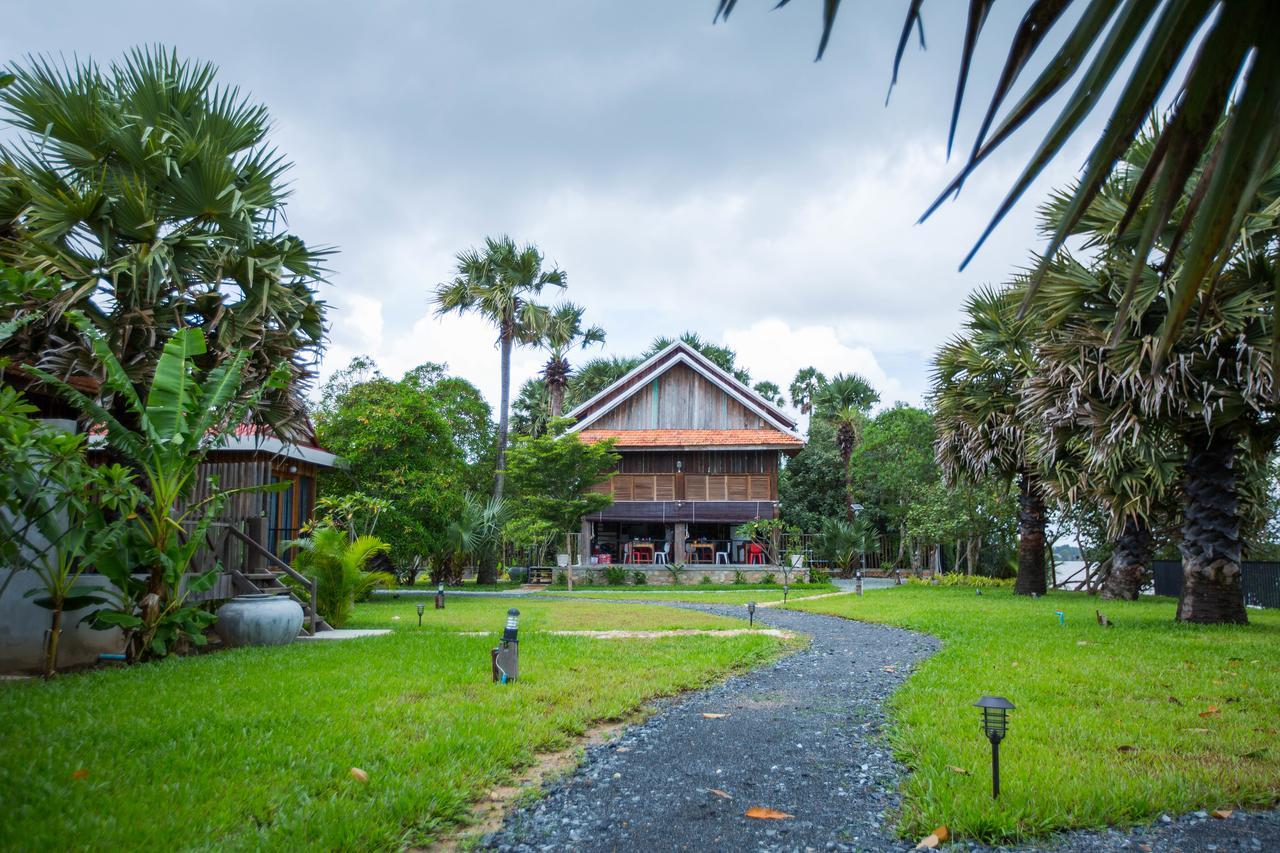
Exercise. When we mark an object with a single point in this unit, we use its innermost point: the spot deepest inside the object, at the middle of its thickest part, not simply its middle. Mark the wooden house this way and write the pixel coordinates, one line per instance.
(700, 454)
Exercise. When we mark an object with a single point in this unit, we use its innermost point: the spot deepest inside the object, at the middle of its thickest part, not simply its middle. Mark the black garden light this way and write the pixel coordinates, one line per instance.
(440, 596)
(751, 613)
(858, 576)
(995, 722)
(506, 657)
(786, 587)
(421, 607)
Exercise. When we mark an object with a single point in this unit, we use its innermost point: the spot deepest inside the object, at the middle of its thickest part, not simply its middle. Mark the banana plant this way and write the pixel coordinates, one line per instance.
(183, 414)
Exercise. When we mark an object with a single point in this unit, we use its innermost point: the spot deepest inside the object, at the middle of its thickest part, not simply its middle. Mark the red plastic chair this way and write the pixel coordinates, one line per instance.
(755, 554)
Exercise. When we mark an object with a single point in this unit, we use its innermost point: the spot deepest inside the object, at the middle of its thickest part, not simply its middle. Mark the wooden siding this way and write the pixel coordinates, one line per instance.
(234, 473)
(680, 399)
(699, 462)
(668, 512)
(690, 487)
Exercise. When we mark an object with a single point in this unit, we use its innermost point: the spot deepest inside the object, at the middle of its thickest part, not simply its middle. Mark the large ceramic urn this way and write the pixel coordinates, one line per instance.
(262, 619)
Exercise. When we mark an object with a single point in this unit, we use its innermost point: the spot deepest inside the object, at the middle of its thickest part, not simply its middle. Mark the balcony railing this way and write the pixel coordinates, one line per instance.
(689, 487)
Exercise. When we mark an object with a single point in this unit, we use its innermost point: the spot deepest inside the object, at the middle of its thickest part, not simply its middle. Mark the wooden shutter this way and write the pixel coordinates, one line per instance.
(695, 487)
(758, 489)
(664, 487)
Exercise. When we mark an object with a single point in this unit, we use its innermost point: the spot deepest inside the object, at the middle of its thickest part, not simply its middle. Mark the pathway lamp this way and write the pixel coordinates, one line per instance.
(995, 722)
(858, 586)
(421, 607)
(506, 657)
(440, 596)
(751, 614)
(786, 587)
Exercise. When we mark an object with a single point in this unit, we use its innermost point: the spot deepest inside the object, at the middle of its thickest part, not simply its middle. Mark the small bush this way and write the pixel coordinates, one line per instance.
(676, 570)
(739, 577)
(640, 577)
(957, 579)
(615, 575)
(518, 574)
(562, 579)
(769, 578)
(818, 575)
(706, 579)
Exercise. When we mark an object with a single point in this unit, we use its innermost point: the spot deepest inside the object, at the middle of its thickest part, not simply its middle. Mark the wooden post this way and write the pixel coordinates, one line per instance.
(681, 534)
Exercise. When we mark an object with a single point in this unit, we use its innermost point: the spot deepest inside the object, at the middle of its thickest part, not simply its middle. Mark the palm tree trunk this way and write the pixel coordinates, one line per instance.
(1031, 524)
(556, 392)
(848, 487)
(1131, 560)
(505, 400)
(1211, 590)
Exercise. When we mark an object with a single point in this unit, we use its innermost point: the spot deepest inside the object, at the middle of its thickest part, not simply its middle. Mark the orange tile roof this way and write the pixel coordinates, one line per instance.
(694, 437)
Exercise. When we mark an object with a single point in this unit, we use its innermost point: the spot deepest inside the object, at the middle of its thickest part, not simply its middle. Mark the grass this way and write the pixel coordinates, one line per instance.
(252, 748)
(1113, 725)
(695, 594)
(489, 614)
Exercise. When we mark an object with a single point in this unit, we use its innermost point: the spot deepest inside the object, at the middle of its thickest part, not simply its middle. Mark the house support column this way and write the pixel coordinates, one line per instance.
(584, 543)
(677, 547)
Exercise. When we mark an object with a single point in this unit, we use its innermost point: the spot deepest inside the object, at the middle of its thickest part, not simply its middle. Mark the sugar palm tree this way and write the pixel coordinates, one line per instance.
(770, 392)
(843, 403)
(977, 382)
(155, 197)
(1231, 56)
(806, 385)
(562, 333)
(500, 284)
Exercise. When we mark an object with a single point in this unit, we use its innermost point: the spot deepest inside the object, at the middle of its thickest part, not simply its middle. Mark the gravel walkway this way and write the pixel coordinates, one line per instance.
(801, 736)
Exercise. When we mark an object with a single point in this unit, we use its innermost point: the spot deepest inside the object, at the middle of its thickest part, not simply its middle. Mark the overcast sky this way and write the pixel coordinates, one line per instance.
(685, 175)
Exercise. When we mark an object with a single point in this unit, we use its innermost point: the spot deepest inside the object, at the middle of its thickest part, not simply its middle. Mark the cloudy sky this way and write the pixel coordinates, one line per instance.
(685, 175)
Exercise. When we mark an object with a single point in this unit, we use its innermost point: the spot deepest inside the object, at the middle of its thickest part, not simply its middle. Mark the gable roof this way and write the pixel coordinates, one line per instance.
(679, 352)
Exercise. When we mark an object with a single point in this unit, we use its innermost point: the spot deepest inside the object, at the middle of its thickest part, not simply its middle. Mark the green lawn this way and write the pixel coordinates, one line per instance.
(1113, 725)
(252, 748)
(463, 613)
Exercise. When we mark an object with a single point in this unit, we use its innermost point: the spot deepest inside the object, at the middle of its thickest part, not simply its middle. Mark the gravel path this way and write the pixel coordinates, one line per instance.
(802, 736)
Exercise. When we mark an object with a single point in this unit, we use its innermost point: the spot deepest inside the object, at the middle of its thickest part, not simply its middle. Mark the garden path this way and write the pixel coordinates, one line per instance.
(802, 736)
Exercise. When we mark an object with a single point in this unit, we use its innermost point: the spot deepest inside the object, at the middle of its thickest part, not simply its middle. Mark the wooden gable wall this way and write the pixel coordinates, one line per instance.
(680, 399)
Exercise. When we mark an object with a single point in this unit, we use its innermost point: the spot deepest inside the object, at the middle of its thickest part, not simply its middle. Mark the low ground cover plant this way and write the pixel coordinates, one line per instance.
(1113, 725)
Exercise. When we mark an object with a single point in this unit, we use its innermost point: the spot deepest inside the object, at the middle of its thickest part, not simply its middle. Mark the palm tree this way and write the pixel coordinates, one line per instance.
(977, 382)
(1232, 62)
(562, 333)
(808, 382)
(844, 403)
(156, 199)
(500, 285)
(596, 375)
(770, 392)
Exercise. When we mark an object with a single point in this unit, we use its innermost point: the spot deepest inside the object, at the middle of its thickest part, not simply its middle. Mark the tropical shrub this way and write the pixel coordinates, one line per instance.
(58, 514)
(336, 563)
(640, 577)
(957, 579)
(169, 432)
(739, 577)
(769, 578)
(706, 580)
(676, 570)
(615, 575)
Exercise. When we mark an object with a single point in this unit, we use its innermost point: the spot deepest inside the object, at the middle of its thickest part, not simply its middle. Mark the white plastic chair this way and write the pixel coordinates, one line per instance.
(720, 554)
(660, 557)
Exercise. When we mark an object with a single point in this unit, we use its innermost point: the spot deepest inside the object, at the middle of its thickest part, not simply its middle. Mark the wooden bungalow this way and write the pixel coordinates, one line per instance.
(700, 454)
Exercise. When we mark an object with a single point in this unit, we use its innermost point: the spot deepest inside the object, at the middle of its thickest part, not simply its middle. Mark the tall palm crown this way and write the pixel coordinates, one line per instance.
(501, 284)
(977, 382)
(563, 332)
(155, 196)
(805, 387)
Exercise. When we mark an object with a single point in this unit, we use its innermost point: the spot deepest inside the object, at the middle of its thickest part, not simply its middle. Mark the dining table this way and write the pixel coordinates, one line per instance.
(703, 552)
(642, 552)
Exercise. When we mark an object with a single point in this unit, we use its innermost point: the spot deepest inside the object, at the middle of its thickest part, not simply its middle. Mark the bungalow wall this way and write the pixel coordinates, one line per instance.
(680, 399)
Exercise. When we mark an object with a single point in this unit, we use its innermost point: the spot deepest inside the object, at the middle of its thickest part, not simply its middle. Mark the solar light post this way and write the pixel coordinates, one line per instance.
(858, 587)
(506, 657)
(421, 607)
(440, 596)
(995, 722)
(751, 614)
(786, 587)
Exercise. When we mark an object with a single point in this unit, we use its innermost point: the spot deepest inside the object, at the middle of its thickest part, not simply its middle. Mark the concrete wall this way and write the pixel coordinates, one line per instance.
(23, 624)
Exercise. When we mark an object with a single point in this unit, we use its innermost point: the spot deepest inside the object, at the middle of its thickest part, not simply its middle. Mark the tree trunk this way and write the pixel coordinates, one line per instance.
(555, 391)
(1211, 590)
(1131, 561)
(848, 487)
(499, 477)
(51, 643)
(1031, 524)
